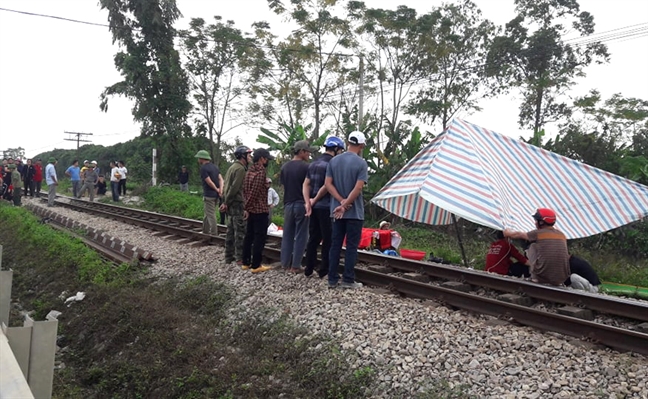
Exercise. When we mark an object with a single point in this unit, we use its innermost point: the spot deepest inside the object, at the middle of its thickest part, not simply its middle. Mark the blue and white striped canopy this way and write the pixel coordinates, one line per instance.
(499, 182)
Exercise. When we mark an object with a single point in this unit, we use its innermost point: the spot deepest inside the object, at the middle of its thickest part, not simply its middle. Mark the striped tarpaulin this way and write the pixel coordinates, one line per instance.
(499, 182)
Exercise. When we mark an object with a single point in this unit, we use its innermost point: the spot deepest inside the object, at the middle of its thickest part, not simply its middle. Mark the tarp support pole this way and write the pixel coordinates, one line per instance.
(463, 253)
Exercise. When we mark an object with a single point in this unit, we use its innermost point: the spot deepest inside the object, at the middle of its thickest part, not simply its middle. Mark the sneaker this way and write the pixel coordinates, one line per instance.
(332, 286)
(261, 269)
(245, 267)
(353, 285)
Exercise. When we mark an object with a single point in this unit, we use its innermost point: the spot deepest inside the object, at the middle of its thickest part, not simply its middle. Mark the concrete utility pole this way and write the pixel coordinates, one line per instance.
(361, 93)
(78, 138)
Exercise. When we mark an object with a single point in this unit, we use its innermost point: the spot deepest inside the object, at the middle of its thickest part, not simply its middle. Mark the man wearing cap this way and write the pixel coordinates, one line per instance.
(318, 202)
(183, 178)
(90, 178)
(346, 176)
(255, 211)
(295, 228)
(547, 254)
(74, 173)
(233, 204)
(212, 183)
(16, 183)
(51, 180)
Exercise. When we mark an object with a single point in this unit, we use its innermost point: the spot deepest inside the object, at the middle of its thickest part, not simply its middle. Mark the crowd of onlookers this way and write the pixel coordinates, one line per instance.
(18, 179)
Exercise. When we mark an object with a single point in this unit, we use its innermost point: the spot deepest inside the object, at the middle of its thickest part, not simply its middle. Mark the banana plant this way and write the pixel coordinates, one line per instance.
(284, 138)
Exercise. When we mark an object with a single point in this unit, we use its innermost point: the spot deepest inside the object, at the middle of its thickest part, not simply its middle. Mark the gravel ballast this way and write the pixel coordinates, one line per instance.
(410, 343)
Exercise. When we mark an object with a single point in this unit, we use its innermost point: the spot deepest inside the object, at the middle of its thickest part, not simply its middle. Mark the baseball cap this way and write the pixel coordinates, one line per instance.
(86, 161)
(304, 145)
(384, 222)
(357, 138)
(11, 166)
(263, 153)
(94, 162)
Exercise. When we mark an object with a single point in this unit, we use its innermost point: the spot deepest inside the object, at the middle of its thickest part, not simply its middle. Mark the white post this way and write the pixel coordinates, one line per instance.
(154, 174)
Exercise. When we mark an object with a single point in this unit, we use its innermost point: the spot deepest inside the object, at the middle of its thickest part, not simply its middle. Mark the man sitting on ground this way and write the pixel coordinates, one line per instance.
(498, 259)
(583, 277)
(547, 254)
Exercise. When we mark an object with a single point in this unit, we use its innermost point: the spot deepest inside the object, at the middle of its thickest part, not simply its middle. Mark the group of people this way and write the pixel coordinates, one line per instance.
(322, 204)
(16, 177)
(546, 260)
(89, 179)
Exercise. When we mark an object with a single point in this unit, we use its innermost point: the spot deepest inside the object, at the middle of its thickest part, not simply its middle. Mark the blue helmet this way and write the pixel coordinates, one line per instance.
(333, 141)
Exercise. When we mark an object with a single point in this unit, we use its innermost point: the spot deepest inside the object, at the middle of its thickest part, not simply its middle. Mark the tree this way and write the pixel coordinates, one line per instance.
(220, 61)
(13, 153)
(312, 56)
(607, 134)
(150, 66)
(538, 62)
(455, 38)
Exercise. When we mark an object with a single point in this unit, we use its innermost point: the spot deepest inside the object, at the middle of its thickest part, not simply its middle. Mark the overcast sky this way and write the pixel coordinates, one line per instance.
(52, 71)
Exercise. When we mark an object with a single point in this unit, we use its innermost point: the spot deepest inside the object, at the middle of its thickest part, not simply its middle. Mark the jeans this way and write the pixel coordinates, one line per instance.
(352, 229)
(51, 194)
(76, 188)
(319, 230)
(184, 186)
(114, 188)
(295, 235)
(255, 238)
(122, 187)
(209, 220)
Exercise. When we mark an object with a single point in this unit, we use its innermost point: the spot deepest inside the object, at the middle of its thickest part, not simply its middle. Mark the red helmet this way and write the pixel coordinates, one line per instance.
(545, 215)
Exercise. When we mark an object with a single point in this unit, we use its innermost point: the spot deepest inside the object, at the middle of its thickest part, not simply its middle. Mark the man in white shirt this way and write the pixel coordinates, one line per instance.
(122, 180)
(51, 180)
(273, 199)
(115, 176)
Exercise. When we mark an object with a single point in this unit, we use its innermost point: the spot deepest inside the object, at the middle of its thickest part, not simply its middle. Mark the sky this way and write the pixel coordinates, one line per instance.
(52, 71)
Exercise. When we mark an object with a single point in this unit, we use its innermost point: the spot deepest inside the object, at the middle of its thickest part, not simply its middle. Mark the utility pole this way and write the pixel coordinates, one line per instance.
(361, 93)
(78, 138)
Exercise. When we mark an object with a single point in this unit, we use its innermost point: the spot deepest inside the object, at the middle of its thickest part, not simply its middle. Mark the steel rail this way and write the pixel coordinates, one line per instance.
(617, 338)
(614, 337)
(634, 310)
(616, 306)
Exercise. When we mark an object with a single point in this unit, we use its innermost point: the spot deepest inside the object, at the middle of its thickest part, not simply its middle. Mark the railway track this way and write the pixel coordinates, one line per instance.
(629, 338)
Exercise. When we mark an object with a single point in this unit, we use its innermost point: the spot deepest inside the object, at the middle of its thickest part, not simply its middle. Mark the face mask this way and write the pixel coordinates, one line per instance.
(265, 165)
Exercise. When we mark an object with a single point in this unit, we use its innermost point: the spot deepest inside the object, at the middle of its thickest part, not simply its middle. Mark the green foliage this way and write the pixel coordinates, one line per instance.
(174, 202)
(284, 139)
(531, 56)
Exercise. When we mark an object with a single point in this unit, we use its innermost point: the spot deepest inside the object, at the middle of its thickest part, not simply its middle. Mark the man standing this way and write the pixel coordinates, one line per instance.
(318, 207)
(122, 180)
(346, 175)
(183, 179)
(29, 178)
(17, 184)
(51, 180)
(273, 199)
(255, 211)
(74, 174)
(114, 181)
(295, 228)
(233, 204)
(90, 178)
(212, 183)
(547, 254)
(38, 176)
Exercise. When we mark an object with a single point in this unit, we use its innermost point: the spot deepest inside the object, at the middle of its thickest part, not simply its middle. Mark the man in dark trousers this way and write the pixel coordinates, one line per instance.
(295, 228)
(255, 211)
(318, 207)
(183, 178)
(233, 204)
(346, 175)
(30, 171)
(212, 183)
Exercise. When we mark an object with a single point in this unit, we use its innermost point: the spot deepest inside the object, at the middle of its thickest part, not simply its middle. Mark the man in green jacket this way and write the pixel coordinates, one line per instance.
(233, 204)
(16, 182)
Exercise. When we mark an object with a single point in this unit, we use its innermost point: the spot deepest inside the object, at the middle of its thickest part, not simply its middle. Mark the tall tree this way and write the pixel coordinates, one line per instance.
(316, 54)
(150, 66)
(532, 56)
(456, 39)
(220, 61)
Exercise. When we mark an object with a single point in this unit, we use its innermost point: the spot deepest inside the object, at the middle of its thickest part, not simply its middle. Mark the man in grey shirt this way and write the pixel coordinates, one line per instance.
(90, 178)
(346, 176)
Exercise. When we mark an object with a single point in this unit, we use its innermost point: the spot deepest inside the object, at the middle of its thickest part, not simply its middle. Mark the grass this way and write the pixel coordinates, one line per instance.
(136, 336)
